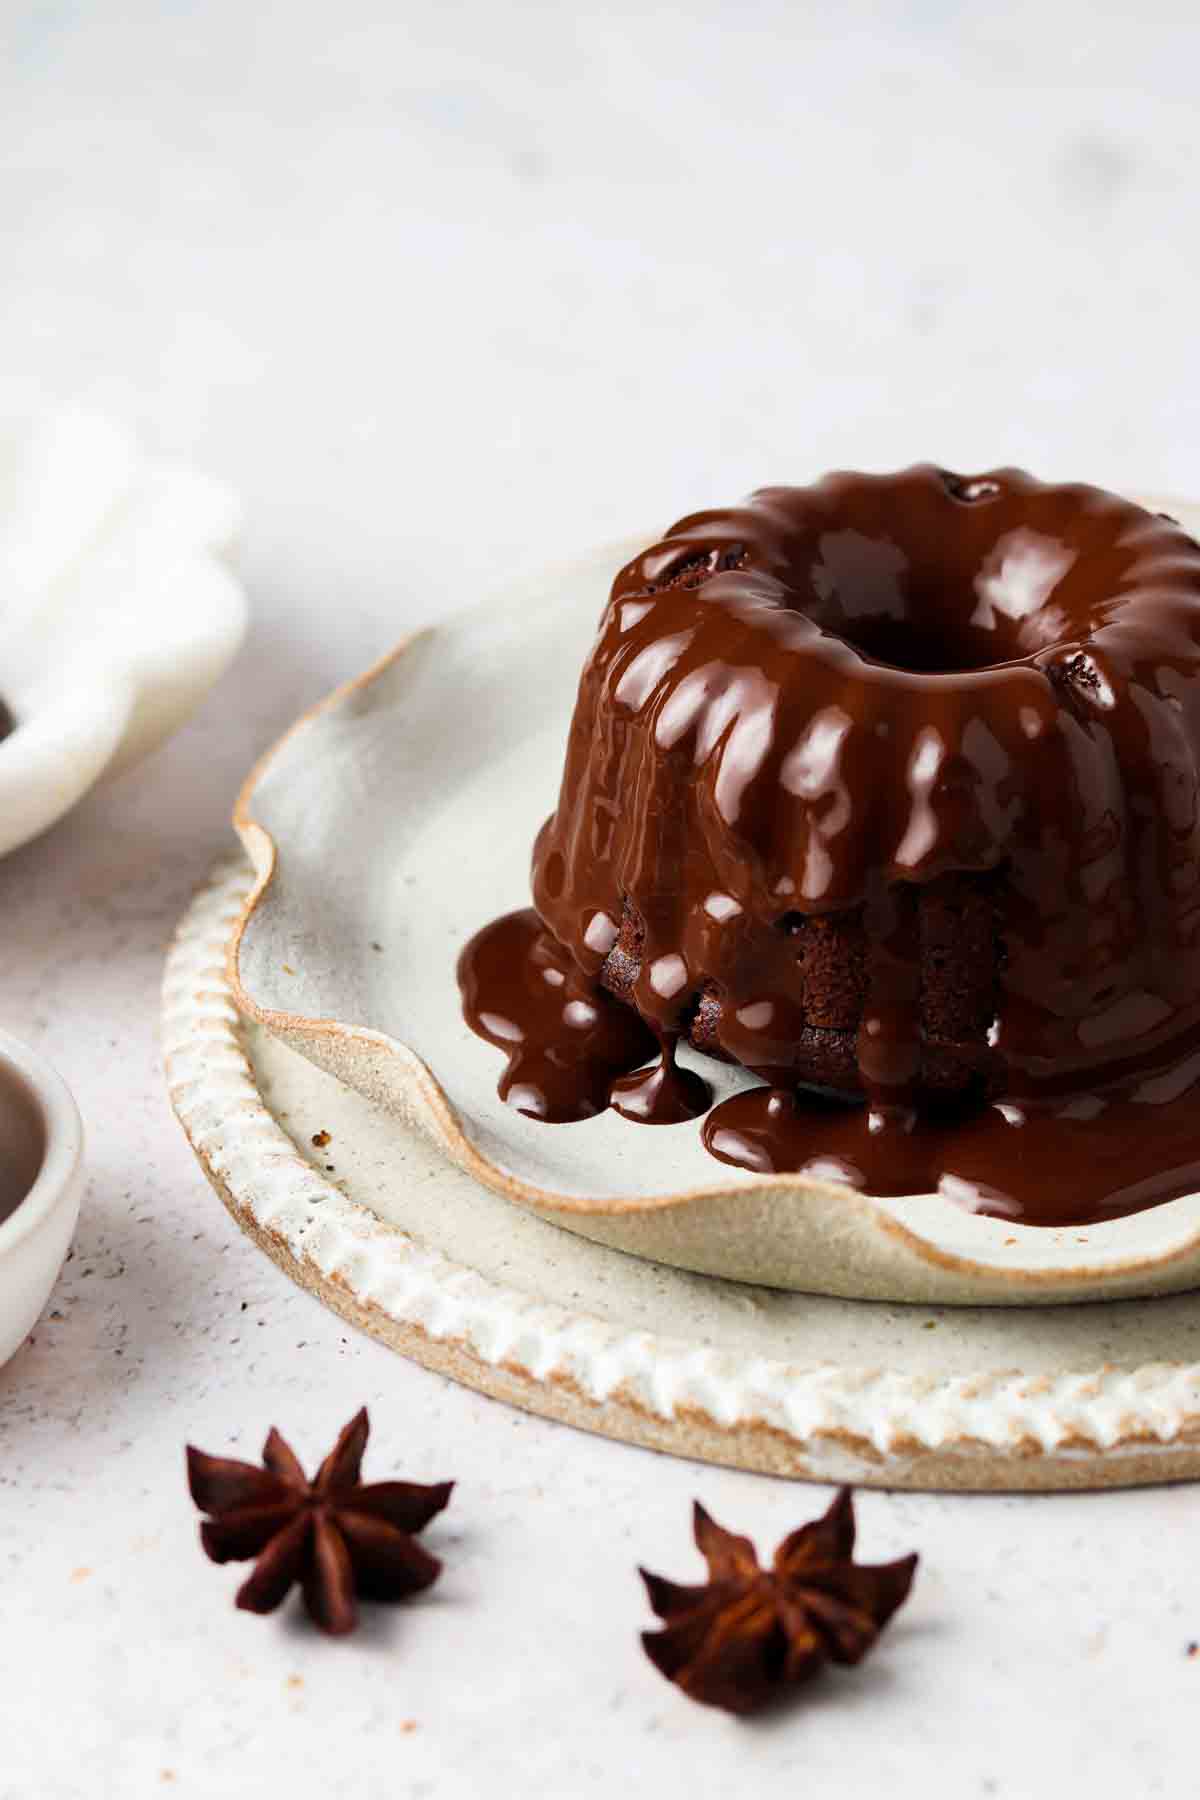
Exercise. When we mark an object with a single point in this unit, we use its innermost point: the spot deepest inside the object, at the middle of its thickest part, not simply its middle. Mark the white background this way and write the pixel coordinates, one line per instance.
(447, 290)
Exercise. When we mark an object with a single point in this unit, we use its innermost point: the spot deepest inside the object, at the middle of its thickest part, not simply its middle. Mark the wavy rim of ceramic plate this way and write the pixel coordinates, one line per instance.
(437, 1115)
(996, 1430)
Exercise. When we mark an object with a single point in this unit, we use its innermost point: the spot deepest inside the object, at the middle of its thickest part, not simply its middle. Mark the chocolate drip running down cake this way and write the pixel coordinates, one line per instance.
(885, 789)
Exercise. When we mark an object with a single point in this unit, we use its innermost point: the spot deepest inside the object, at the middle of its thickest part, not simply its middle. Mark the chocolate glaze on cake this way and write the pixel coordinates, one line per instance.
(888, 789)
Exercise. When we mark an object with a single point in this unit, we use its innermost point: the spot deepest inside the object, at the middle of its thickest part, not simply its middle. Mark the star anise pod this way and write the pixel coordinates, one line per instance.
(334, 1536)
(737, 1641)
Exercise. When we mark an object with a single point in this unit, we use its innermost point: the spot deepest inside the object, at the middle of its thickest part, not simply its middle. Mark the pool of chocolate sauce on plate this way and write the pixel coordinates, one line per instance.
(1072, 1160)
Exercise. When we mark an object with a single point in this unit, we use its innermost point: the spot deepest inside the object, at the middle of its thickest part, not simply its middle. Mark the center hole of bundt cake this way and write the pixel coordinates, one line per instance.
(923, 647)
(943, 609)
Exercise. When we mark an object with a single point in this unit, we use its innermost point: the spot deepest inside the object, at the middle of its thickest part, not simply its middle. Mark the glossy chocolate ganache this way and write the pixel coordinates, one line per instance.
(887, 789)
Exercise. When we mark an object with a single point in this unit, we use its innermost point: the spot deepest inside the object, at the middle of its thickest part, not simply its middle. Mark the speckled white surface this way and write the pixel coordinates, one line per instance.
(375, 264)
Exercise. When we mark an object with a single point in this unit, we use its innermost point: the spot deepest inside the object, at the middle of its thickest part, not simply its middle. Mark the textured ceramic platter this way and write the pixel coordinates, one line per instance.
(117, 610)
(402, 1243)
(395, 820)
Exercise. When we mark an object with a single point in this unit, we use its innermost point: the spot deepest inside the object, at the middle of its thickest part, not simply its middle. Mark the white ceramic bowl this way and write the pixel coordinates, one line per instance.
(36, 1234)
(117, 609)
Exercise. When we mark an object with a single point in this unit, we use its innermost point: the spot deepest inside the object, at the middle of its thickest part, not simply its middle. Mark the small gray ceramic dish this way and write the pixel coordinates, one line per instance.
(41, 1177)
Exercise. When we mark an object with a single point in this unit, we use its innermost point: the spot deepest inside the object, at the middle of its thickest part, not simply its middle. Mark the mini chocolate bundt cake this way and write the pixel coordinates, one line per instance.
(889, 786)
